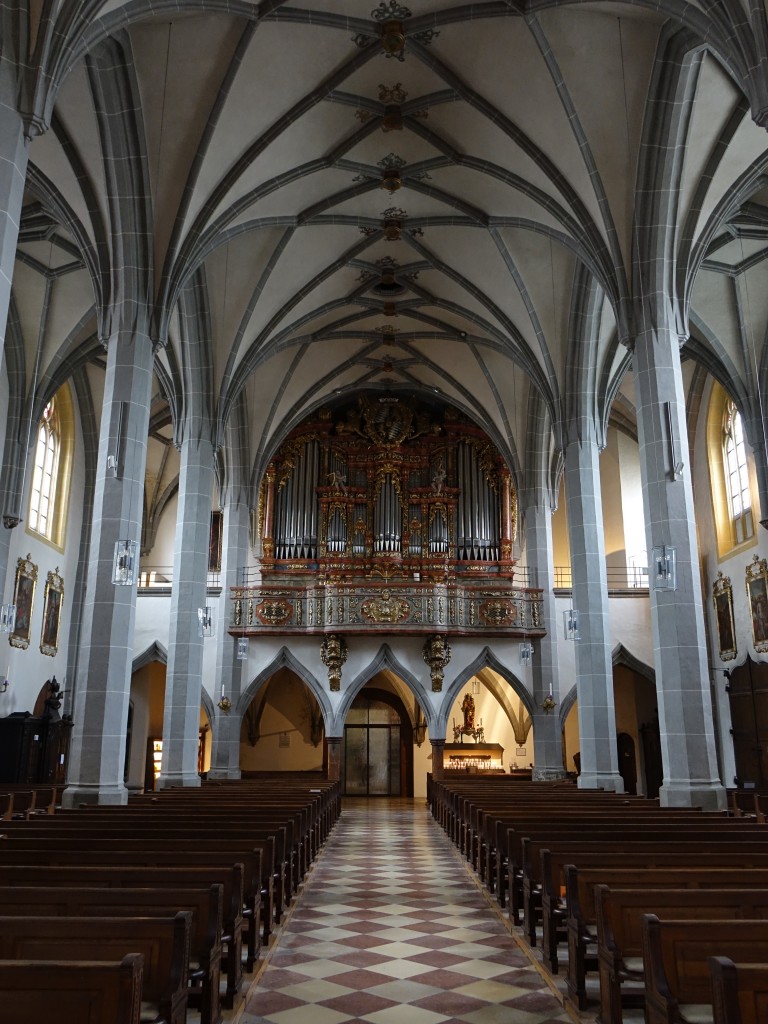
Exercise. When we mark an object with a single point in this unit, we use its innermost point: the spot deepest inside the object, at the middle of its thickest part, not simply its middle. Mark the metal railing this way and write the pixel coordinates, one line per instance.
(160, 578)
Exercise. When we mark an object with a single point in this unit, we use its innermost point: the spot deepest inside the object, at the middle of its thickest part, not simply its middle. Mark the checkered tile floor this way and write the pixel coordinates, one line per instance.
(391, 929)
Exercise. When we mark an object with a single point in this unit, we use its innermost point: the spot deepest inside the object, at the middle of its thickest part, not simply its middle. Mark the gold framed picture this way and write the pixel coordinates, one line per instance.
(23, 598)
(54, 595)
(722, 597)
(757, 594)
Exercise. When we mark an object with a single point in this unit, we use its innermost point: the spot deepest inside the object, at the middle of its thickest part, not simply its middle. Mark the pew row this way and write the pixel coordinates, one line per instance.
(96, 992)
(678, 989)
(739, 991)
(163, 943)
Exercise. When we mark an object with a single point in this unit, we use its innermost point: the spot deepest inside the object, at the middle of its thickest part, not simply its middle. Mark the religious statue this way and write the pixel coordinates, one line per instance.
(468, 710)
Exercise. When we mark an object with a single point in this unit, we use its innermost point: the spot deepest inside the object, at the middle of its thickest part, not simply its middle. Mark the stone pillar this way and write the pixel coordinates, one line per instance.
(594, 667)
(333, 758)
(13, 169)
(184, 675)
(547, 729)
(761, 472)
(232, 673)
(677, 617)
(438, 752)
(106, 652)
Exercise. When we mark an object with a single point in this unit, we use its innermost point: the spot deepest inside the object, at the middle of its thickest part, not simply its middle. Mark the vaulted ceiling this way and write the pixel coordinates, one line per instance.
(497, 268)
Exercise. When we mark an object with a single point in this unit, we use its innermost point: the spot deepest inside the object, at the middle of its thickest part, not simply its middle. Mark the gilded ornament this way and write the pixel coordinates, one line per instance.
(436, 653)
(333, 654)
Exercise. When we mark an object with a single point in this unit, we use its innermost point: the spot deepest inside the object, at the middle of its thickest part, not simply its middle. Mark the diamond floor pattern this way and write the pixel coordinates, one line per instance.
(391, 929)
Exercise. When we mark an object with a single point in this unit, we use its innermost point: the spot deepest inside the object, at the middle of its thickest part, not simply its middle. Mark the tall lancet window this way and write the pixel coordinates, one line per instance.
(736, 475)
(47, 453)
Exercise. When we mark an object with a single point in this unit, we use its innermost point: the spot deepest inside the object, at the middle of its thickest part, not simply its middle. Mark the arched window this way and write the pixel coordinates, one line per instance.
(47, 453)
(736, 475)
(51, 471)
(730, 473)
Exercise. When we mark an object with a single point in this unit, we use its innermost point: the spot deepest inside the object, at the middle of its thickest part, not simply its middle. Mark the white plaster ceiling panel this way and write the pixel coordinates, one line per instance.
(714, 299)
(180, 67)
(232, 272)
(47, 253)
(95, 374)
(511, 387)
(480, 318)
(70, 300)
(308, 253)
(291, 56)
(754, 308)
(416, 78)
(28, 295)
(264, 386)
(74, 108)
(474, 255)
(471, 134)
(501, 61)
(546, 270)
(489, 195)
(609, 102)
(294, 198)
(378, 145)
(308, 382)
(735, 251)
(46, 153)
(749, 145)
(715, 101)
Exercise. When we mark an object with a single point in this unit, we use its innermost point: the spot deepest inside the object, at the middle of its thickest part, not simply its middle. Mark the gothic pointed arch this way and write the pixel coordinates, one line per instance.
(284, 659)
(621, 656)
(486, 659)
(155, 652)
(386, 660)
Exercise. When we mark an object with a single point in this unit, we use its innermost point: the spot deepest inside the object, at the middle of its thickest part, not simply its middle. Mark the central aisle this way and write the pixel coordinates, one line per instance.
(389, 916)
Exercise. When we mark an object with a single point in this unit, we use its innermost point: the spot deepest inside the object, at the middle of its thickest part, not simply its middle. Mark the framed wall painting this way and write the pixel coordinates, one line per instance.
(757, 595)
(722, 596)
(214, 542)
(23, 598)
(54, 595)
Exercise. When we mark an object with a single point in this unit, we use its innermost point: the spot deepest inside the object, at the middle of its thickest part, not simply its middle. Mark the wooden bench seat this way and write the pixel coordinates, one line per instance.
(619, 945)
(582, 883)
(262, 849)
(549, 877)
(739, 991)
(678, 988)
(258, 884)
(71, 992)
(92, 869)
(205, 906)
(163, 942)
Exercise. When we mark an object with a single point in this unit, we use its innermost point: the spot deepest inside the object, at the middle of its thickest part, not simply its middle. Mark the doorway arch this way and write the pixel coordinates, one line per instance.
(377, 752)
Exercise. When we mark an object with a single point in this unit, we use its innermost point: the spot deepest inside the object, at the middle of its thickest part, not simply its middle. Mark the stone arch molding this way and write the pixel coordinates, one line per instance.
(385, 659)
(284, 659)
(486, 659)
(155, 652)
(621, 656)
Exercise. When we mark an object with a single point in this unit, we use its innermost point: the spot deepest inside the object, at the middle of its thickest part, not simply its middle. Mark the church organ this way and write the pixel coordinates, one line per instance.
(404, 512)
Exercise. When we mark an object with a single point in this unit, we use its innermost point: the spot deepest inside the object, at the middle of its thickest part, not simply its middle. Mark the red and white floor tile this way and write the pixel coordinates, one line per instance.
(390, 928)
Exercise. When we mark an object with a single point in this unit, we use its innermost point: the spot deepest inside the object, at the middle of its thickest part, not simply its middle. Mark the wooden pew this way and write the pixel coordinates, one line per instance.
(163, 942)
(675, 961)
(168, 875)
(205, 906)
(157, 853)
(260, 853)
(6, 806)
(550, 874)
(620, 938)
(46, 798)
(71, 992)
(739, 991)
